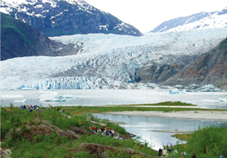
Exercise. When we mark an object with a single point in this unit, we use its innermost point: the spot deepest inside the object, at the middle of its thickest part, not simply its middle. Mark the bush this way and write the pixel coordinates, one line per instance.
(209, 142)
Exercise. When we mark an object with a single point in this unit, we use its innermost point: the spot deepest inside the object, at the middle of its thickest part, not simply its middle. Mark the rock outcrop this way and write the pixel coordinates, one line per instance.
(208, 68)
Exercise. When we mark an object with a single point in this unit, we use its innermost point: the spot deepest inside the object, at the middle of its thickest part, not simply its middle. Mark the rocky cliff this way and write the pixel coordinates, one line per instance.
(19, 39)
(208, 68)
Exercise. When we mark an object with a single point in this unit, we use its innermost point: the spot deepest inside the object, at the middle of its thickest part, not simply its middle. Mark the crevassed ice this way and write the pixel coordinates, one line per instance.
(105, 59)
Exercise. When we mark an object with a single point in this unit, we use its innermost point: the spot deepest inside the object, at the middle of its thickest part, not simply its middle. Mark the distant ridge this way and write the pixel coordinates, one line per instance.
(66, 17)
(19, 39)
(202, 20)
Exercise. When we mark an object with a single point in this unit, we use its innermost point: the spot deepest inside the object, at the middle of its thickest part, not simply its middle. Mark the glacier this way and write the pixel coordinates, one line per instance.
(107, 61)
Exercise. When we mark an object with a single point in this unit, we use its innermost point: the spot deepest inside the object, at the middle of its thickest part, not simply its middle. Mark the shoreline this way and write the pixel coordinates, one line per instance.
(199, 115)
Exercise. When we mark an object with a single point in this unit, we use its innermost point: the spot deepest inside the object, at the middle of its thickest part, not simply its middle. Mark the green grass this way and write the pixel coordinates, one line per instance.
(168, 103)
(75, 110)
(208, 142)
(54, 145)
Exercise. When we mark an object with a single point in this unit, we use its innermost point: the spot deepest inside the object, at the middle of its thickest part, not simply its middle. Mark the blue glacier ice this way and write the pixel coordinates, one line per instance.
(107, 61)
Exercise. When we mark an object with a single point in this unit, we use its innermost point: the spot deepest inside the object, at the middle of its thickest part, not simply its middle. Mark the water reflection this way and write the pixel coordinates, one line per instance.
(144, 126)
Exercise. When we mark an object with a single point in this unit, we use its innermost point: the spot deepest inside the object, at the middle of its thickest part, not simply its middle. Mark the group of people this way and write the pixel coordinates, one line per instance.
(36, 107)
(164, 153)
(107, 132)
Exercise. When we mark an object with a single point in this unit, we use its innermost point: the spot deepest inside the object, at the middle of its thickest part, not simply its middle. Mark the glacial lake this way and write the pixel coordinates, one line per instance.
(113, 97)
(144, 126)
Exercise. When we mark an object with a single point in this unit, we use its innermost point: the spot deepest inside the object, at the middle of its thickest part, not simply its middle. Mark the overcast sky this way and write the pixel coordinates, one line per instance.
(145, 15)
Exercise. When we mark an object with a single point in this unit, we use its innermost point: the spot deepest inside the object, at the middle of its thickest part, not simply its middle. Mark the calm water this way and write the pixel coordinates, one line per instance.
(113, 97)
(142, 126)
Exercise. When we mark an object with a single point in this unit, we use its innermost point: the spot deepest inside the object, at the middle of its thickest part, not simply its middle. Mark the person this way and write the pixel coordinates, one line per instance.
(182, 154)
(193, 155)
(63, 111)
(93, 129)
(30, 109)
(169, 149)
(160, 152)
(221, 156)
(164, 152)
(107, 132)
(96, 129)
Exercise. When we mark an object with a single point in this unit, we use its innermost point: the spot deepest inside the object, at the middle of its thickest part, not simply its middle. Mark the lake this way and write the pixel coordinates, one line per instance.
(144, 126)
(113, 97)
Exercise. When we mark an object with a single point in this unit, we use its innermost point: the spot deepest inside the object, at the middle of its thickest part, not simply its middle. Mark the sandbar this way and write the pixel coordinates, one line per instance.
(199, 115)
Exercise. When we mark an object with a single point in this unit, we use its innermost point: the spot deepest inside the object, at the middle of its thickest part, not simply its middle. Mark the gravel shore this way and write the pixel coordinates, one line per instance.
(202, 115)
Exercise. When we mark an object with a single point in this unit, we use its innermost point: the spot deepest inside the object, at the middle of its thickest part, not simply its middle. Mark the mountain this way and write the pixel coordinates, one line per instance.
(202, 20)
(66, 17)
(19, 39)
(111, 61)
(208, 68)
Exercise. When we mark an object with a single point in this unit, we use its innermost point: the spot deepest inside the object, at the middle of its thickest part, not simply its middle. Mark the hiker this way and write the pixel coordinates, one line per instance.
(160, 152)
(169, 149)
(30, 109)
(64, 113)
(193, 155)
(58, 109)
(93, 129)
(182, 154)
(96, 129)
(164, 152)
(107, 132)
(221, 156)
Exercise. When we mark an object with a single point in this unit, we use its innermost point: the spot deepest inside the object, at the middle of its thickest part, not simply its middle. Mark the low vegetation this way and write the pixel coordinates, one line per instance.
(50, 133)
(167, 103)
(207, 142)
(75, 110)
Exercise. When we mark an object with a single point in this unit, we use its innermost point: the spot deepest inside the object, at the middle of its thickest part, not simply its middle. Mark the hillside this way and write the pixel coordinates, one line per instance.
(66, 17)
(19, 39)
(209, 68)
(202, 20)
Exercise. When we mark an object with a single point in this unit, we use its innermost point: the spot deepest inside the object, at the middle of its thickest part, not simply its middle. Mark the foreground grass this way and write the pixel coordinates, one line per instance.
(17, 134)
(207, 142)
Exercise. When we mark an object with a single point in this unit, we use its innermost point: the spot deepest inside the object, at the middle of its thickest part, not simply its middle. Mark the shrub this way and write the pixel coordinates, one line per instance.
(209, 142)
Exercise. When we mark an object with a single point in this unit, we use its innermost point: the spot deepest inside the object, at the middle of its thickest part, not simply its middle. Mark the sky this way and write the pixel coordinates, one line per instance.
(145, 15)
